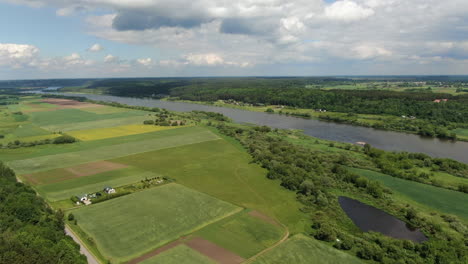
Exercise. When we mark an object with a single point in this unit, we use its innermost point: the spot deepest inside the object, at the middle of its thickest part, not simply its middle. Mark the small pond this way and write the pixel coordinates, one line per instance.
(369, 218)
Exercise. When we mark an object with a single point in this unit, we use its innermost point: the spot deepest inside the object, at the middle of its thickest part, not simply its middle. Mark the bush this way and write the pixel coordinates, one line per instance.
(148, 122)
(71, 217)
(65, 139)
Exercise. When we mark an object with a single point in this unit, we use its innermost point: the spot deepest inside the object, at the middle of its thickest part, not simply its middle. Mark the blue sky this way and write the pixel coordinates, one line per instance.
(53, 38)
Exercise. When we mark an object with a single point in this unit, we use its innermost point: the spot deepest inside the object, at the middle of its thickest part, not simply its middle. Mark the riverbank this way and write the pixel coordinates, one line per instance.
(404, 124)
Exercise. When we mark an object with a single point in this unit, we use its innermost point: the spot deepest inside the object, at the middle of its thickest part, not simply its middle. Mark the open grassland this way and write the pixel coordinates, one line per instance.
(129, 226)
(96, 124)
(242, 234)
(103, 109)
(49, 162)
(94, 183)
(118, 131)
(66, 116)
(462, 133)
(304, 250)
(45, 150)
(180, 254)
(440, 199)
(221, 169)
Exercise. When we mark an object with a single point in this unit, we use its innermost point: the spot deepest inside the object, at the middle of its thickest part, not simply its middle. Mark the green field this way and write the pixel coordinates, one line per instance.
(45, 150)
(96, 124)
(117, 131)
(54, 161)
(441, 199)
(242, 234)
(462, 133)
(89, 184)
(304, 250)
(222, 170)
(129, 226)
(66, 116)
(180, 254)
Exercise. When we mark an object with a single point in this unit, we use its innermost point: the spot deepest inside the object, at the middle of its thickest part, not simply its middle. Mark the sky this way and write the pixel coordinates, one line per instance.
(165, 38)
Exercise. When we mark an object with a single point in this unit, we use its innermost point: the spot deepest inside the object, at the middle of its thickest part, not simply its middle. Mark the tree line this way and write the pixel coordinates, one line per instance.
(31, 232)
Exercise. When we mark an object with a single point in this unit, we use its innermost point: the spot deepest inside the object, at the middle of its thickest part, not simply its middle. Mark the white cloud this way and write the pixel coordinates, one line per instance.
(96, 48)
(111, 59)
(208, 59)
(368, 51)
(17, 55)
(263, 34)
(145, 61)
(346, 10)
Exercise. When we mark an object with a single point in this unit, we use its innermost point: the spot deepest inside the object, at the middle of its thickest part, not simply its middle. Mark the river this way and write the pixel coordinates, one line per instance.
(386, 140)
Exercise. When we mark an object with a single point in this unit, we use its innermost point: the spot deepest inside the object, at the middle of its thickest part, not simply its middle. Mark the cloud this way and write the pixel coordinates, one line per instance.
(96, 48)
(111, 59)
(278, 36)
(17, 55)
(141, 20)
(346, 10)
(145, 61)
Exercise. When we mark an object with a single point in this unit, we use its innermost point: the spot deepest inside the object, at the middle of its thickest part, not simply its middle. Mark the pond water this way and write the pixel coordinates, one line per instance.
(386, 140)
(369, 218)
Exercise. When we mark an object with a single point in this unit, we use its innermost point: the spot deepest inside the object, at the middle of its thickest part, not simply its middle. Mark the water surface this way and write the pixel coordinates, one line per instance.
(387, 140)
(369, 218)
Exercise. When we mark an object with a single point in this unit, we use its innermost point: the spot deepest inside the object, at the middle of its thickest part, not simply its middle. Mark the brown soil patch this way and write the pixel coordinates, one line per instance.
(263, 217)
(66, 103)
(94, 168)
(47, 177)
(155, 252)
(214, 251)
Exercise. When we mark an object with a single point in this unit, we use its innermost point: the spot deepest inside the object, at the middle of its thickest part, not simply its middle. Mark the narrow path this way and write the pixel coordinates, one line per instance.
(83, 249)
(285, 237)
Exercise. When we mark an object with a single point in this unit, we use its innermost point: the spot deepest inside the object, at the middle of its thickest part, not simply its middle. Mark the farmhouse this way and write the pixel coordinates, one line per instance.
(109, 190)
(82, 198)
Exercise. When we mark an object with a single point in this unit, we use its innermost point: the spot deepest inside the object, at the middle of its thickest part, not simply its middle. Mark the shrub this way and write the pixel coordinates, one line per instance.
(65, 139)
(148, 122)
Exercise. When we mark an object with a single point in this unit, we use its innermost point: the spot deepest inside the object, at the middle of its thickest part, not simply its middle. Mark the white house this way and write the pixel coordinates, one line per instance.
(109, 190)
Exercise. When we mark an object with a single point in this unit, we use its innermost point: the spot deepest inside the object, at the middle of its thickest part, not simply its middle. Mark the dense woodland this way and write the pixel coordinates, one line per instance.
(315, 175)
(30, 232)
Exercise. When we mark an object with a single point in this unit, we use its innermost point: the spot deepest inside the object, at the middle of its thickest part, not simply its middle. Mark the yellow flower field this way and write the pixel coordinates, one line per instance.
(118, 131)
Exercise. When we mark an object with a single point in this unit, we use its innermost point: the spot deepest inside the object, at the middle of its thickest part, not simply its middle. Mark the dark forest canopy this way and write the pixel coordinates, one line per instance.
(30, 232)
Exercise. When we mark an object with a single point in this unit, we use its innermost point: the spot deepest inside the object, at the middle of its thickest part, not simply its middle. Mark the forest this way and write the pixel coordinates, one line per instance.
(31, 232)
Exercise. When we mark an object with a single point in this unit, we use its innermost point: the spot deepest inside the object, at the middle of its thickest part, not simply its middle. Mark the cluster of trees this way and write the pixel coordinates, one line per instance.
(30, 232)
(64, 139)
(314, 175)
(414, 167)
(164, 118)
(421, 127)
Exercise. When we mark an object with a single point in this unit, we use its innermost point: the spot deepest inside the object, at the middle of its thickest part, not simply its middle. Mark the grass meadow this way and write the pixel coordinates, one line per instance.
(45, 150)
(242, 234)
(66, 116)
(180, 254)
(221, 169)
(129, 226)
(60, 160)
(300, 249)
(96, 124)
(117, 131)
(88, 184)
(440, 199)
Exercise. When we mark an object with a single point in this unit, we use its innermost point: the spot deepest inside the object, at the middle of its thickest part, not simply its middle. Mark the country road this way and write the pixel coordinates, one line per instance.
(83, 249)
